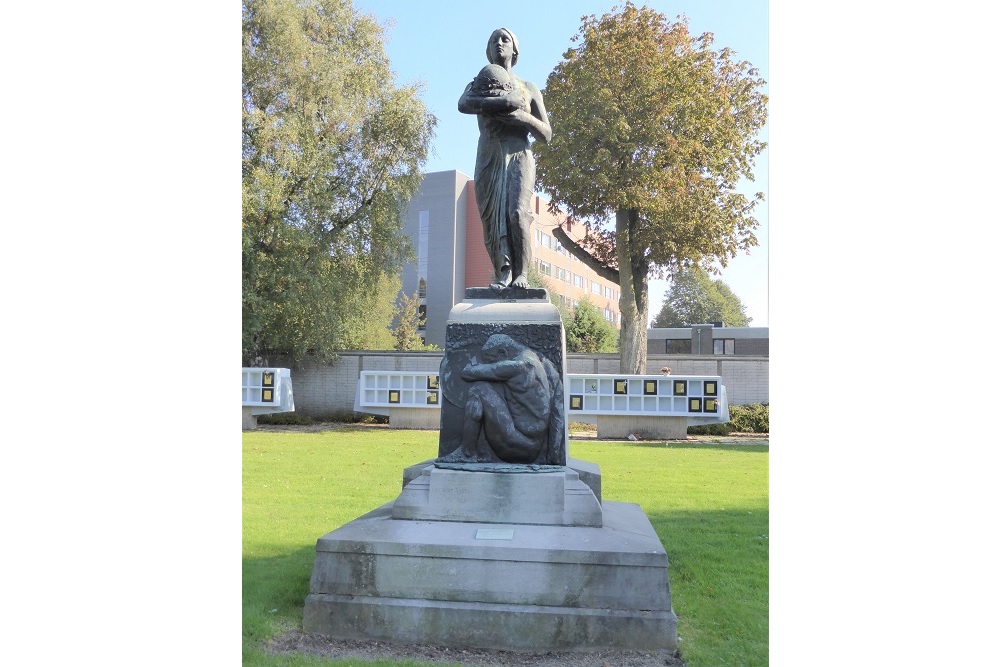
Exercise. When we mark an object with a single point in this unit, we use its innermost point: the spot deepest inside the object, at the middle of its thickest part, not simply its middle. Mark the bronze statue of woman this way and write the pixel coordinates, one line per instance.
(509, 109)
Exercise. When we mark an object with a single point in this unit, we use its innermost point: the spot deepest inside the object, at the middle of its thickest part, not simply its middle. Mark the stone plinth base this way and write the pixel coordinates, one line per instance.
(619, 427)
(488, 585)
(554, 498)
(414, 418)
(590, 473)
(249, 419)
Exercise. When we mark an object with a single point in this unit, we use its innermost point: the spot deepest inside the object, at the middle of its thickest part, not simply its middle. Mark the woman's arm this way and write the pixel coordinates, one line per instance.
(537, 121)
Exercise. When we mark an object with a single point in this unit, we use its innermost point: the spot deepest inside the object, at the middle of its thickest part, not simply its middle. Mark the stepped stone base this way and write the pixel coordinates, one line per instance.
(590, 473)
(555, 498)
(490, 585)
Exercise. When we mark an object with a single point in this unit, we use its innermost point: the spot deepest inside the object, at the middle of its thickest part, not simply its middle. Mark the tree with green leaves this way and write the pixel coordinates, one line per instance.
(332, 149)
(409, 319)
(695, 298)
(652, 130)
(588, 331)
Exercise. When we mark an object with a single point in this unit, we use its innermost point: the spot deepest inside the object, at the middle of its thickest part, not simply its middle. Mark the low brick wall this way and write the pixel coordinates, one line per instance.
(324, 390)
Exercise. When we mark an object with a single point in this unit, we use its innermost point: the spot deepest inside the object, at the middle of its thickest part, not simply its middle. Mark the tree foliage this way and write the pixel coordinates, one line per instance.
(331, 152)
(695, 298)
(588, 331)
(652, 132)
(408, 323)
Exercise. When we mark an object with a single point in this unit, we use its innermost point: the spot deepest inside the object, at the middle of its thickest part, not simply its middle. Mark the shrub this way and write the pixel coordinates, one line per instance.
(711, 429)
(285, 419)
(752, 418)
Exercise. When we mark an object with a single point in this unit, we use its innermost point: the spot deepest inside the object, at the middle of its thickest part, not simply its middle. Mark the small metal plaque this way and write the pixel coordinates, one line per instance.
(494, 534)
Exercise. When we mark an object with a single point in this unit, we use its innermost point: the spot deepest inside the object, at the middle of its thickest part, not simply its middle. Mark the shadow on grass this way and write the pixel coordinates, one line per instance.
(274, 594)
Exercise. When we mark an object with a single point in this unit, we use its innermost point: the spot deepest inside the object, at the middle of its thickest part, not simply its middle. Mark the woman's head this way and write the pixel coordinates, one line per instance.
(501, 38)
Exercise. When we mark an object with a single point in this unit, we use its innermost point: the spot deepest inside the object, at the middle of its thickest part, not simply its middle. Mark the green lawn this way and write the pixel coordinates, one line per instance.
(708, 504)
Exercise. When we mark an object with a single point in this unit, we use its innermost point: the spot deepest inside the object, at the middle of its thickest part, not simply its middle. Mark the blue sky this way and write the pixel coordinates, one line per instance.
(442, 44)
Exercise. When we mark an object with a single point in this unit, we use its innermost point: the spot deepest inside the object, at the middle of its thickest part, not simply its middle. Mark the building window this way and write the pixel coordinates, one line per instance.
(544, 268)
(724, 346)
(423, 240)
(422, 314)
(578, 280)
(682, 346)
(595, 287)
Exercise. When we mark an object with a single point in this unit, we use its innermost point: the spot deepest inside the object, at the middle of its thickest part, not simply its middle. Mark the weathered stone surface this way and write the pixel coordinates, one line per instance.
(643, 426)
(590, 473)
(555, 498)
(486, 585)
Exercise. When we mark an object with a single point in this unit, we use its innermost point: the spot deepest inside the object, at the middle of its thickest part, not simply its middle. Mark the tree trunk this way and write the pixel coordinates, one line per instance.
(634, 299)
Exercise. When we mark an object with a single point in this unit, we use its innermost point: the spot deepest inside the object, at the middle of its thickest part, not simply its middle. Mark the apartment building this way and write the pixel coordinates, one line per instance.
(443, 224)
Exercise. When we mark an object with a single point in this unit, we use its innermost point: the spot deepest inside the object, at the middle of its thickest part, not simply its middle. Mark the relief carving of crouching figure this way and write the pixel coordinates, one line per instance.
(512, 407)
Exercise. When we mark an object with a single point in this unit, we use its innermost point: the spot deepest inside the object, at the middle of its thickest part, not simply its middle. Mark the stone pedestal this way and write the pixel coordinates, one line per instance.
(555, 497)
(482, 551)
(488, 585)
(530, 319)
(646, 427)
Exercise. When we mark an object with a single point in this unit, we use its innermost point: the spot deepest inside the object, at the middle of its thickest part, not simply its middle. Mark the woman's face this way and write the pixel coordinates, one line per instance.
(501, 46)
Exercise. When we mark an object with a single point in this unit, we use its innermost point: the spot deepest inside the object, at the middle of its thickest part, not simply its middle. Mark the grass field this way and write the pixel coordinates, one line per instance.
(707, 502)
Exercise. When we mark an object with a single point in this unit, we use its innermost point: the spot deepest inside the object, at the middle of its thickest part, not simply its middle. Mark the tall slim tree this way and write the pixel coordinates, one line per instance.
(587, 330)
(409, 319)
(695, 298)
(652, 130)
(331, 150)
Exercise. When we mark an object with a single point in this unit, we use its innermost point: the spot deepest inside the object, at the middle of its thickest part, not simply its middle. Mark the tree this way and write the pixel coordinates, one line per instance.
(695, 298)
(409, 319)
(331, 151)
(652, 129)
(588, 331)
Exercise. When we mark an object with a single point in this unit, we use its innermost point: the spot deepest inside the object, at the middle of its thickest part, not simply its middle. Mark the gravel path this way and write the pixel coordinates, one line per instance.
(296, 642)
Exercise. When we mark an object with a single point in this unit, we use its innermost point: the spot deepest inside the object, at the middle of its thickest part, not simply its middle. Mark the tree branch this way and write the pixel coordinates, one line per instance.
(341, 225)
(603, 270)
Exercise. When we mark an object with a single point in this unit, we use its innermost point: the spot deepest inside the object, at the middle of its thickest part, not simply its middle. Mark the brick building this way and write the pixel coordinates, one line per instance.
(443, 224)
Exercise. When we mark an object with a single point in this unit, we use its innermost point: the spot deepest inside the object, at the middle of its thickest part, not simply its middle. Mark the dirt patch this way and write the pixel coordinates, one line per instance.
(317, 645)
